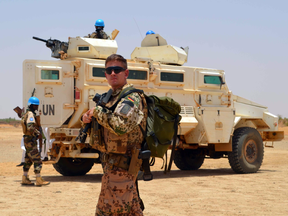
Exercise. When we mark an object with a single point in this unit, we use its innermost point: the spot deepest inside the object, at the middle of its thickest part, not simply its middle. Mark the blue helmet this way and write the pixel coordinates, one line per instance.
(99, 22)
(33, 100)
(150, 32)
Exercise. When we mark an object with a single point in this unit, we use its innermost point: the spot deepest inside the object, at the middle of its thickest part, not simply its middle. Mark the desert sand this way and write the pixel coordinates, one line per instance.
(214, 189)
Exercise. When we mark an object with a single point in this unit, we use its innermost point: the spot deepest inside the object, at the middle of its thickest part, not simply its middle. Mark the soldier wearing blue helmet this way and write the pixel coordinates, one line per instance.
(99, 33)
(32, 131)
(150, 32)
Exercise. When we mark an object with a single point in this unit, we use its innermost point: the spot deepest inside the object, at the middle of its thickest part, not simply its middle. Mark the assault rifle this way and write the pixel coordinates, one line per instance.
(19, 111)
(56, 46)
(101, 100)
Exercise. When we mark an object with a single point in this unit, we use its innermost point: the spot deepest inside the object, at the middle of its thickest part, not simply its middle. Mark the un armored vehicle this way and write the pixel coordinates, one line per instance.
(215, 123)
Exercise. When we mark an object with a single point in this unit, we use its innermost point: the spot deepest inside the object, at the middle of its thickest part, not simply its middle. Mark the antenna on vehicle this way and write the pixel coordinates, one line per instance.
(138, 28)
(141, 35)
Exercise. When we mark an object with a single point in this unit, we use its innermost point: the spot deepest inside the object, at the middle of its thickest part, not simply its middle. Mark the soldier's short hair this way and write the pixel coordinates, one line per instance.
(116, 57)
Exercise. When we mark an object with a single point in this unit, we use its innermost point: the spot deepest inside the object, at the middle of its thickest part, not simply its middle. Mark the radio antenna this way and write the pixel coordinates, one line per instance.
(138, 28)
(141, 36)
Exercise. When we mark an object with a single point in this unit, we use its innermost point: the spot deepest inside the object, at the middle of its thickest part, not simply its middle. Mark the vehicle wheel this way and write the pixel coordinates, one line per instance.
(73, 166)
(188, 159)
(247, 151)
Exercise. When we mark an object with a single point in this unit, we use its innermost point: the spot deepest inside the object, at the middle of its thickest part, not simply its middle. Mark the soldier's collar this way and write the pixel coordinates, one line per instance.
(117, 91)
(31, 110)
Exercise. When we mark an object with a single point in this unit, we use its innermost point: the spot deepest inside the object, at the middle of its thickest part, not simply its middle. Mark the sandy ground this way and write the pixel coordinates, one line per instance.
(214, 189)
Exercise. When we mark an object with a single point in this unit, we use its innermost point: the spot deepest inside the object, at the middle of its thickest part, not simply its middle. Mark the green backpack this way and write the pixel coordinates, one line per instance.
(161, 128)
(162, 121)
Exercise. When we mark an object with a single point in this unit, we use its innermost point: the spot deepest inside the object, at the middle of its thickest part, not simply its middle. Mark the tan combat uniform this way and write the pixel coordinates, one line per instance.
(31, 132)
(122, 135)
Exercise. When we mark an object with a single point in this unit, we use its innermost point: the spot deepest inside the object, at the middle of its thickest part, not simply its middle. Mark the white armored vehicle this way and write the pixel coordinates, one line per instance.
(215, 123)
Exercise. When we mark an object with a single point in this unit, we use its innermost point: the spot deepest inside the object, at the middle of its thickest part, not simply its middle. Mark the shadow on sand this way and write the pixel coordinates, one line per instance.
(96, 178)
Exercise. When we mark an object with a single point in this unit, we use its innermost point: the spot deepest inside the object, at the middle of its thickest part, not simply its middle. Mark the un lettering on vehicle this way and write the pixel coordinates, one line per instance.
(48, 109)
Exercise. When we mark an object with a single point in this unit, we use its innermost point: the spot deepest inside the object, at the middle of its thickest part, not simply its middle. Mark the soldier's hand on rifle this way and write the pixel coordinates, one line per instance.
(87, 117)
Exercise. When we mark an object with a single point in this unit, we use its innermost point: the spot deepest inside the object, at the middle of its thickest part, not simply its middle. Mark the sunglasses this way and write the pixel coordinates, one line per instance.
(116, 69)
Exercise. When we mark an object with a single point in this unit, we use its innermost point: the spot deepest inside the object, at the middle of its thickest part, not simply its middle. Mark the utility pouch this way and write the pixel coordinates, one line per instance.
(116, 160)
(115, 144)
(135, 163)
(96, 140)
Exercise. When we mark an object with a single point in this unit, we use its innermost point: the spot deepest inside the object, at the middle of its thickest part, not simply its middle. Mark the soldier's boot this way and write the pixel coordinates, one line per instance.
(26, 181)
(40, 181)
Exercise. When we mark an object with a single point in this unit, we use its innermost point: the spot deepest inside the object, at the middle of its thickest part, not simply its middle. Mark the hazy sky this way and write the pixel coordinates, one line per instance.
(247, 39)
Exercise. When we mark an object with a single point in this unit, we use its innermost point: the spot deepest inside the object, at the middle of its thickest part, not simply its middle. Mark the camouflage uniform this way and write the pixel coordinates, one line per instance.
(30, 130)
(100, 35)
(121, 135)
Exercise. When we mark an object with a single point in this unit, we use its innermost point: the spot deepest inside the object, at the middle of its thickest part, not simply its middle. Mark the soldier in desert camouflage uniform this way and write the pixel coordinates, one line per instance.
(31, 130)
(122, 136)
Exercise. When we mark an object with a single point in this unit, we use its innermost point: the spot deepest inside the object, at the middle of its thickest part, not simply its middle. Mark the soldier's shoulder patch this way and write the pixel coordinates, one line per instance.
(130, 99)
(127, 107)
(129, 102)
(30, 118)
(134, 98)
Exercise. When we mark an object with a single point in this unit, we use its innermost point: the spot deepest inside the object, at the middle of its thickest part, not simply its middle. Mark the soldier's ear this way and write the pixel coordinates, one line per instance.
(126, 73)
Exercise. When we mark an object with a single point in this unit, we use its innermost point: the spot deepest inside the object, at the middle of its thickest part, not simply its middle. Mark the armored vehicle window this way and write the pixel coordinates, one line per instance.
(84, 48)
(98, 72)
(172, 77)
(212, 79)
(137, 74)
(50, 74)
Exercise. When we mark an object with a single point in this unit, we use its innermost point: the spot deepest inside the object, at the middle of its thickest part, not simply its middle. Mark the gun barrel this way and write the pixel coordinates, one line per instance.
(88, 125)
(40, 39)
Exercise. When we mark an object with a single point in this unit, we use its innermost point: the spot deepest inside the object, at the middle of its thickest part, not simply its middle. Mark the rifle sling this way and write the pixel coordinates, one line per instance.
(174, 142)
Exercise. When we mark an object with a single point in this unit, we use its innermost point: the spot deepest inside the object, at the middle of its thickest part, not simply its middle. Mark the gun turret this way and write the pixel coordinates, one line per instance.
(40, 39)
(56, 46)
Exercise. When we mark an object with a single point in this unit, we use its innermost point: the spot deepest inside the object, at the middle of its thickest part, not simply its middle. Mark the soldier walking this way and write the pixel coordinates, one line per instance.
(121, 137)
(31, 131)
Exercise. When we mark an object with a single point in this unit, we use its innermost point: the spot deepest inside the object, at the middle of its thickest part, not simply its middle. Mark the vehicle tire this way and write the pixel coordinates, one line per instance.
(188, 159)
(247, 151)
(74, 166)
